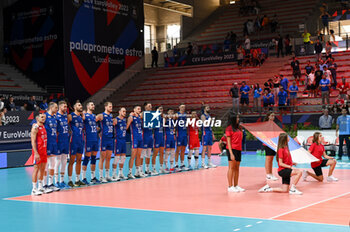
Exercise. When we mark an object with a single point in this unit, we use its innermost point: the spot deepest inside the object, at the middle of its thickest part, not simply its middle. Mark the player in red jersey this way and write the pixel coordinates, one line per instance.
(39, 151)
(194, 144)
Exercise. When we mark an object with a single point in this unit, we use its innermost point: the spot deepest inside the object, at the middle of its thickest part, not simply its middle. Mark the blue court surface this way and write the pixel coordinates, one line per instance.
(30, 216)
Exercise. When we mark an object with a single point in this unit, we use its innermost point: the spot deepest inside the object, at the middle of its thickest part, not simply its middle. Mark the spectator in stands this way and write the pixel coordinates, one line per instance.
(267, 100)
(240, 56)
(311, 84)
(338, 105)
(234, 93)
(325, 20)
(324, 86)
(322, 64)
(255, 57)
(325, 121)
(282, 99)
(320, 36)
(343, 89)
(247, 44)
(247, 58)
(274, 23)
(265, 21)
(272, 101)
(318, 76)
(268, 85)
(332, 66)
(175, 52)
(332, 37)
(31, 104)
(154, 57)
(195, 49)
(257, 98)
(189, 48)
(257, 23)
(293, 91)
(287, 45)
(10, 105)
(276, 86)
(2, 117)
(308, 68)
(318, 50)
(328, 74)
(306, 37)
(250, 26)
(328, 50)
(280, 46)
(296, 68)
(227, 43)
(244, 91)
(2, 102)
(284, 82)
(44, 105)
(343, 124)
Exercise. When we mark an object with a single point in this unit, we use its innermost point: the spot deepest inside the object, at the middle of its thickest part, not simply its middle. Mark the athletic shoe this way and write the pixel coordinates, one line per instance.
(154, 173)
(54, 188)
(271, 177)
(240, 189)
(122, 177)
(36, 192)
(95, 181)
(147, 172)
(103, 180)
(265, 189)
(47, 189)
(177, 169)
(70, 184)
(85, 182)
(196, 167)
(41, 191)
(171, 170)
(58, 185)
(305, 175)
(77, 183)
(115, 178)
(64, 185)
(184, 168)
(232, 190)
(294, 191)
(109, 179)
(143, 175)
(131, 176)
(331, 179)
(204, 166)
(164, 171)
(190, 167)
(211, 165)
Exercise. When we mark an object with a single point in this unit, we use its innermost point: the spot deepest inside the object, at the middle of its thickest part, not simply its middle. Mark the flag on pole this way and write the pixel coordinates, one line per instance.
(268, 132)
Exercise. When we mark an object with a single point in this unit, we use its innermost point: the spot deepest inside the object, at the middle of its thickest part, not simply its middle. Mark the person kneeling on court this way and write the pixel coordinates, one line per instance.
(285, 169)
(317, 150)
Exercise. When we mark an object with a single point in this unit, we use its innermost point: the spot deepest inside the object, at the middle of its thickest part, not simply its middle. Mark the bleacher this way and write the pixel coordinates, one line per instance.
(191, 85)
(289, 13)
(11, 80)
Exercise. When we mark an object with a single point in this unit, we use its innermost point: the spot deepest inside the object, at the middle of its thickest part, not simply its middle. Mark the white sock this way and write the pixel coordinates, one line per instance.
(114, 171)
(171, 164)
(130, 171)
(34, 185)
(209, 160)
(56, 178)
(70, 178)
(62, 177)
(120, 171)
(50, 180)
(107, 173)
(101, 173)
(182, 163)
(77, 178)
(40, 184)
(147, 167)
(45, 180)
(92, 174)
(84, 174)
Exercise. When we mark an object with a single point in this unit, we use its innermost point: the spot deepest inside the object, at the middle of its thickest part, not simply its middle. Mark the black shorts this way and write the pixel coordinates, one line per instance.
(269, 151)
(282, 107)
(237, 154)
(296, 73)
(318, 169)
(245, 101)
(285, 174)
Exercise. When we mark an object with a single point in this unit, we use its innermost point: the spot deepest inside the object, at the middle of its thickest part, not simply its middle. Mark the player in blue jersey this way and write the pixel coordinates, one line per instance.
(62, 144)
(107, 141)
(169, 139)
(147, 143)
(51, 129)
(207, 138)
(120, 145)
(181, 138)
(159, 144)
(91, 143)
(76, 123)
(135, 124)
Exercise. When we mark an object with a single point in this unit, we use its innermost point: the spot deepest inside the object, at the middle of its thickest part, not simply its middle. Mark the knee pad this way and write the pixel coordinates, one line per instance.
(122, 159)
(93, 159)
(86, 160)
(116, 159)
(51, 162)
(143, 153)
(148, 153)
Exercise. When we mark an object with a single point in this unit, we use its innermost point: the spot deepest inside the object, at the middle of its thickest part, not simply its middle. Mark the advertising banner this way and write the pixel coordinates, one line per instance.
(102, 38)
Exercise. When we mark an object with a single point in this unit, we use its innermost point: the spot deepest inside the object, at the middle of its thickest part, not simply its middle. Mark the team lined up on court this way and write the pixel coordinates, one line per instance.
(56, 134)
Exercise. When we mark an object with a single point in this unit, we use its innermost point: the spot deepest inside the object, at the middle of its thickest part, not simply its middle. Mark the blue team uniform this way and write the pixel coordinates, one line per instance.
(181, 130)
(120, 142)
(147, 137)
(76, 141)
(159, 136)
(51, 129)
(63, 134)
(169, 134)
(91, 137)
(207, 134)
(136, 132)
(107, 141)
